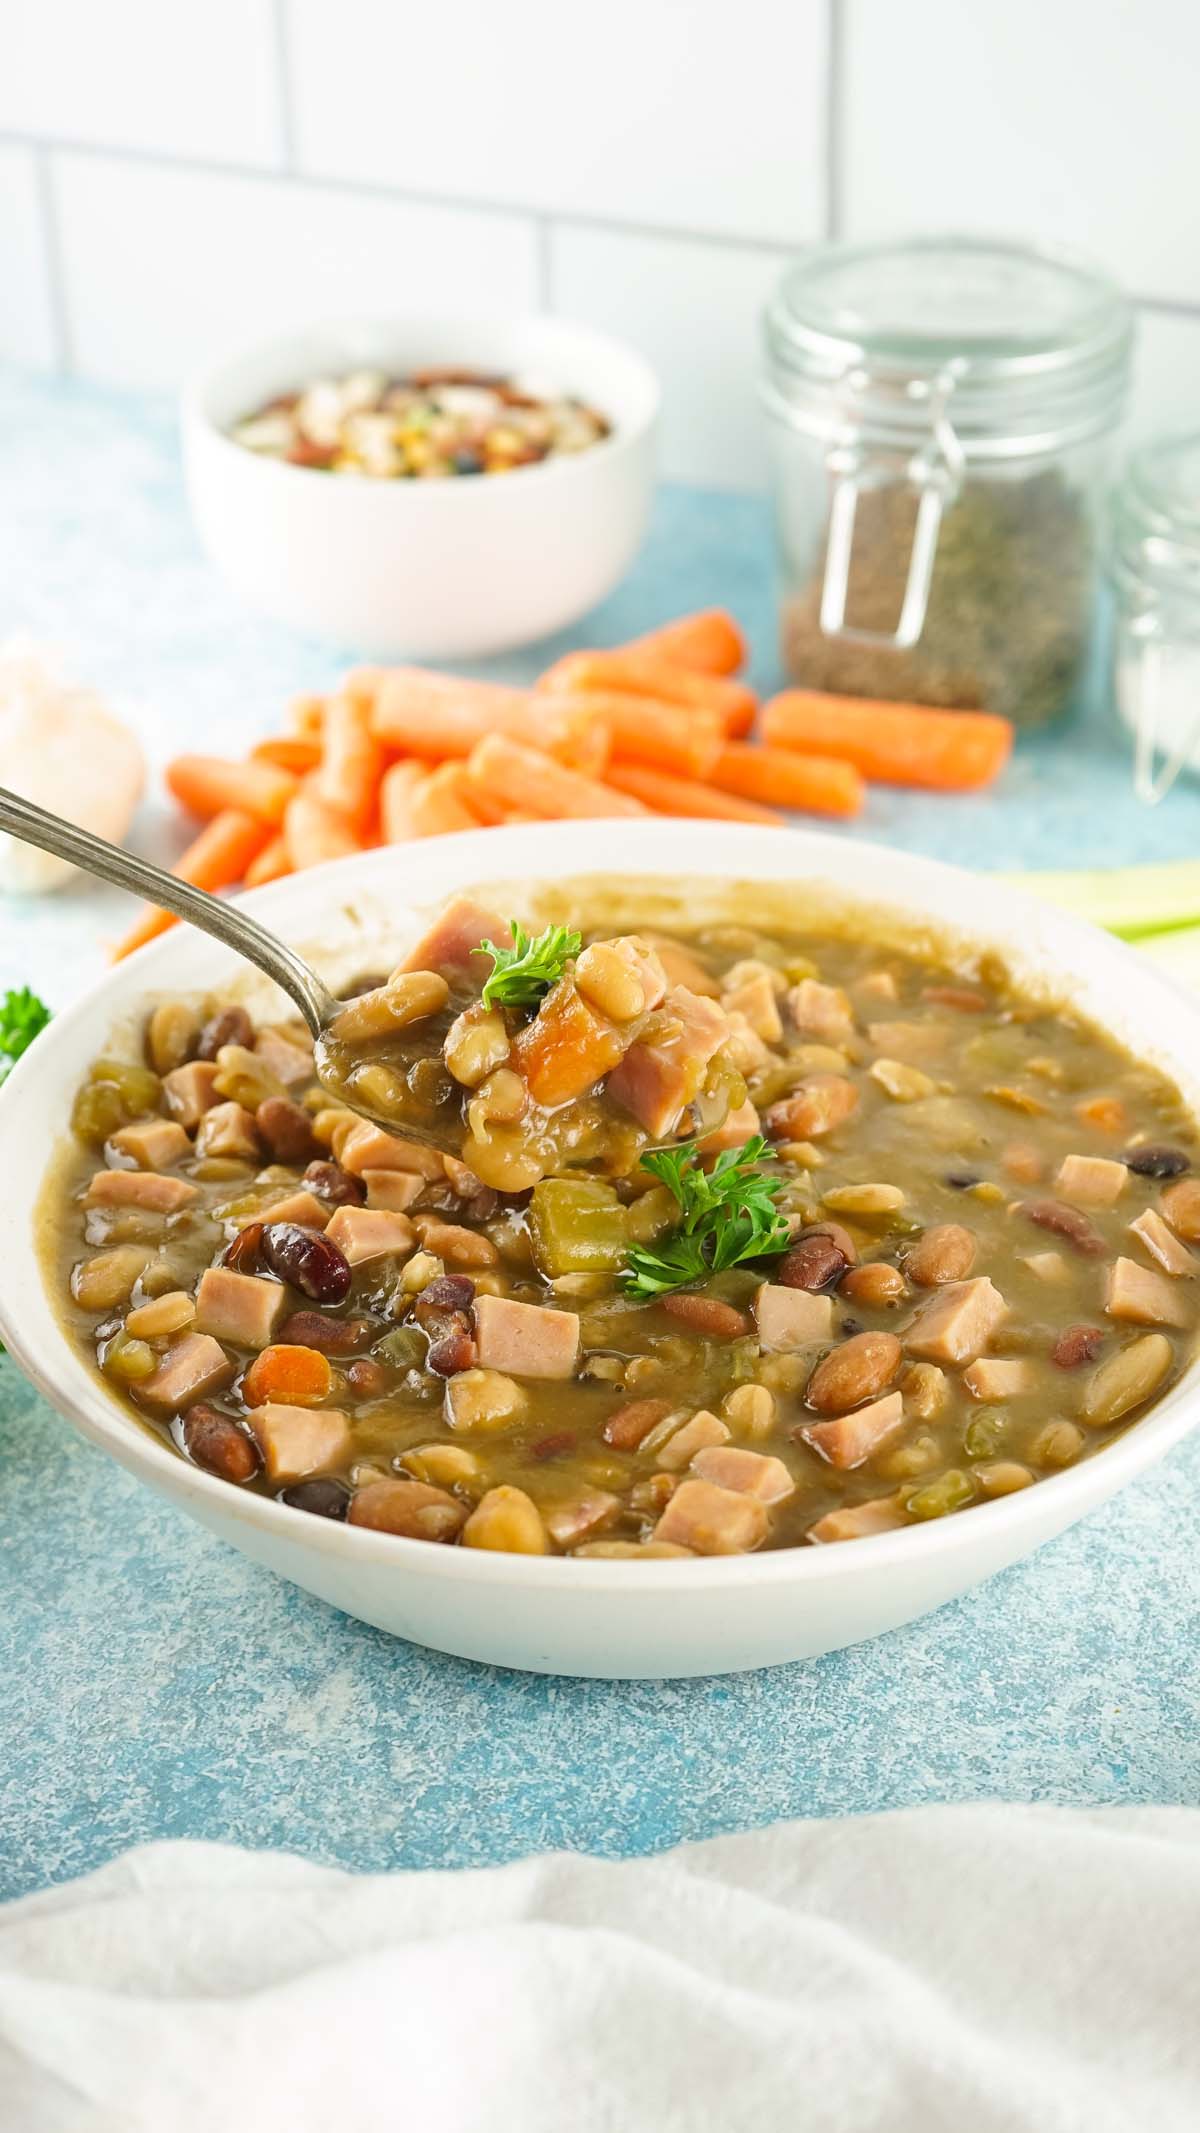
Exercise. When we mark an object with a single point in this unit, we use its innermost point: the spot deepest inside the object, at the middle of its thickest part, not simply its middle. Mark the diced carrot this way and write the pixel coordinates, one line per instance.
(272, 864)
(817, 784)
(288, 752)
(396, 788)
(351, 761)
(709, 642)
(315, 832)
(206, 785)
(567, 1046)
(647, 732)
(219, 856)
(307, 716)
(436, 805)
(897, 744)
(642, 674)
(296, 1376)
(528, 780)
(666, 795)
(1107, 1113)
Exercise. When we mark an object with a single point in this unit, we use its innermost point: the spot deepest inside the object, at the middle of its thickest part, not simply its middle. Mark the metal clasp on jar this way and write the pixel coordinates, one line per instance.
(934, 472)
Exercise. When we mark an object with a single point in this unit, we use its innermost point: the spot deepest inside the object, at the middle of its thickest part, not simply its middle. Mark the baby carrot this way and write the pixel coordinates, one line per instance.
(316, 832)
(686, 796)
(351, 761)
(271, 865)
(297, 1376)
(897, 744)
(307, 715)
(648, 732)
(440, 717)
(532, 782)
(396, 789)
(816, 784)
(709, 642)
(288, 752)
(436, 805)
(206, 785)
(219, 856)
(642, 674)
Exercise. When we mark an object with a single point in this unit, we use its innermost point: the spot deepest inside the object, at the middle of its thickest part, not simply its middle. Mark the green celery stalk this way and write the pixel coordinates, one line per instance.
(1134, 902)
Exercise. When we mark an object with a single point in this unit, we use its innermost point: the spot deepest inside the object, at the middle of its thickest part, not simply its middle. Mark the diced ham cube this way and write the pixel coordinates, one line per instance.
(229, 1129)
(526, 1340)
(568, 1046)
(302, 1207)
(713, 1521)
(190, 1092)
(999, 1378)
(682, 967)
(394, 1190)
(1144, 1298)
(657, 1081)
(153, 1143)
(757, 1001)
(735, 1132)
(447, 944)
(821, 1011)
(139, 1188)
(191, 1369)
(289, 1063)
(368, 1147)
(362, 1233)
(852, 1438)
(749, 1473)
(790, 1318)
(956, 1325)
(242, 1308)
(575, 1517)
(703, 1429)
(917, 1043)
(1164, 1245)
(1091, 1180)
(296, 1441)
(857, 1521)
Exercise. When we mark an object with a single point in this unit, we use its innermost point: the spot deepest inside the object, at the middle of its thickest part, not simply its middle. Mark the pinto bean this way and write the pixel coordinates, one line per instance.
(818, 1258)
(231, 1025)
(286, 1129)
(1079, 1344)
(451, 1352)
(708, 1315)
(944, 1253)
(626, 1428)
(214, 1441)
(1068, 1223)
(861, 1369)
(876, 1286)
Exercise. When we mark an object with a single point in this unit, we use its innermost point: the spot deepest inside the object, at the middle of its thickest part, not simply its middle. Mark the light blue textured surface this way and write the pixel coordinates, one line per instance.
(154, 1684)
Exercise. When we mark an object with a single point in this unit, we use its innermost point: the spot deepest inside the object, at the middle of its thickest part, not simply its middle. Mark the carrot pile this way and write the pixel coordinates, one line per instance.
(657, 726)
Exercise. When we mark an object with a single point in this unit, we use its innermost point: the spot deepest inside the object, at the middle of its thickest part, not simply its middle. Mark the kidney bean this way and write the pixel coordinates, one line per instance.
(1157, 1162)
(859, 1370)
(231, 1025)
(553, 1447)
(332, 1336)
(708, 1315)
(368, 1379)
(818, 1258)
(243, 1253)
(944, 1253)
(1065, 1222)
(286, 1129)
(450, 1294)
(308, 1260)
(330, 1182)
(215, 1442)
(1079, 1344)
(450, 1353)
(629, 1424)
(323, 1497)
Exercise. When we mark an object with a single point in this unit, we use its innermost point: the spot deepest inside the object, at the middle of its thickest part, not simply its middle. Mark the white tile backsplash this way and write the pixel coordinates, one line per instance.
(680, 113)
(166, 267)
(27, 334)
(693, 311)
(1065, 121)
(195, 80)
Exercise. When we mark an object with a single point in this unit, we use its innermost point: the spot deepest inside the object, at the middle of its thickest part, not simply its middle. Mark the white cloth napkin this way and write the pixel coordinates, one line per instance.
(946, 1970)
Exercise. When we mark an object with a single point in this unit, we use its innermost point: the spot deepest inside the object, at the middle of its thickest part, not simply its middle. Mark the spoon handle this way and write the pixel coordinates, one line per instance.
(226, 922)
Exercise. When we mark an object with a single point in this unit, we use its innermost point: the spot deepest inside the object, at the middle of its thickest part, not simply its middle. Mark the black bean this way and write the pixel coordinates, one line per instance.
(232, 1025)
(308, 1260)
(324, 1497)
(450, 1294)
(961, 1180)
(216, 1443)
(1157, 1162)
(849, 1327)
(330, 1182)
(286, 1129)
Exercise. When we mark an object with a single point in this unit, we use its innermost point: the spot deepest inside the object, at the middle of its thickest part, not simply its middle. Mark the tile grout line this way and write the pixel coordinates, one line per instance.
(56, 277)
(283, 84)
(834, 118)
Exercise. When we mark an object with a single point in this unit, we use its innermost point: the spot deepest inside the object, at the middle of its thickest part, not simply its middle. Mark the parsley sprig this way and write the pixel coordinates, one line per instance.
(727, 1214)
(521, 974)
(22, 1018)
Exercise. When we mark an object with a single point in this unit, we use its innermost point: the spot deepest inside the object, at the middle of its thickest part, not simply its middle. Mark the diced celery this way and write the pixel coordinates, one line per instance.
(577, 1226)
(950, 1492)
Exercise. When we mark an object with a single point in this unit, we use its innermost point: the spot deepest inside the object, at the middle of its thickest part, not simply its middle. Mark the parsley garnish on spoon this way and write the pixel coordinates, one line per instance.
(727, 1214)
(521, 974)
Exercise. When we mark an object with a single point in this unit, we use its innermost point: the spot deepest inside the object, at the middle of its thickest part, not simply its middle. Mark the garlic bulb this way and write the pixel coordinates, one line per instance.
(61, 748)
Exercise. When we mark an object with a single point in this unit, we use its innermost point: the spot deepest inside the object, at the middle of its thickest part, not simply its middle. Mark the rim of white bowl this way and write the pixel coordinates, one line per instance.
(206, 378)
(102, 1418)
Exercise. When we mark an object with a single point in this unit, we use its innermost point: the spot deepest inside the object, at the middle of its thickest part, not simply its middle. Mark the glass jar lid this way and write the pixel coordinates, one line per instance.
(1027, 347)
(1155, 539)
